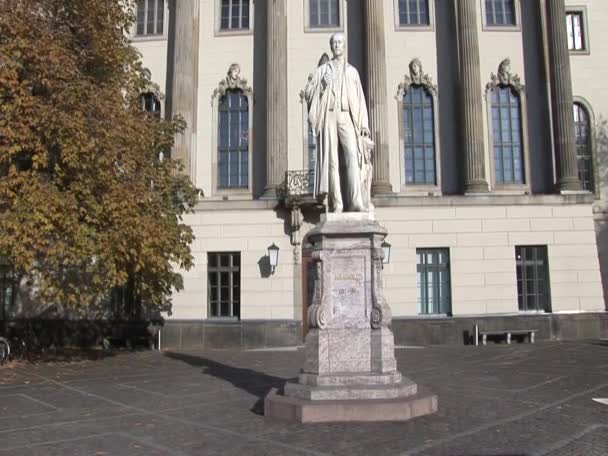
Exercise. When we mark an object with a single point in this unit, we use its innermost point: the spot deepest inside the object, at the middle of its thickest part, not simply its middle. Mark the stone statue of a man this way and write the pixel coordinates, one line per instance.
(338, 117)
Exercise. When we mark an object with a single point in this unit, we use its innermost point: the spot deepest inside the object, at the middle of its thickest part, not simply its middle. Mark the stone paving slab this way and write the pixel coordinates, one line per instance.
(499, 400)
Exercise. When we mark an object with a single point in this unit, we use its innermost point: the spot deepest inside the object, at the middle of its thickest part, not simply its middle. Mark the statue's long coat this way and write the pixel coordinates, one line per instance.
(320, 99)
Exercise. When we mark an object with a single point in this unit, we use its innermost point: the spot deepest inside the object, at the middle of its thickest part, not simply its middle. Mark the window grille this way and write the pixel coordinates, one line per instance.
(224, 284)
(532, 278)
(233, 144)
(419, 136)
(235, 15)
(433, 281)
(150, 17)
(507, 136)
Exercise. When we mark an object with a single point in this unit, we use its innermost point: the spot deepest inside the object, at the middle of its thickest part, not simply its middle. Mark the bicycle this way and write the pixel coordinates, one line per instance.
(14, 347)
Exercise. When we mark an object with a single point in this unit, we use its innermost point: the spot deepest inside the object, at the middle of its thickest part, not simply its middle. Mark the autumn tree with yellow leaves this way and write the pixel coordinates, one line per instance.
(87, 203)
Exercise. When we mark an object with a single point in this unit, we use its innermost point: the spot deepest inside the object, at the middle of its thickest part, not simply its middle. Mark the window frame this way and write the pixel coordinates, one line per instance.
(523, 301)
(155, 37)
(230, 269)
(160, 99)
(501, 28)
(231, 111)
(426, 82)
(233, 32)
(322, 29)
(430, 27)
(509, 188)
(447, 268)
(582, 10)
(219, 92)
(592, 139)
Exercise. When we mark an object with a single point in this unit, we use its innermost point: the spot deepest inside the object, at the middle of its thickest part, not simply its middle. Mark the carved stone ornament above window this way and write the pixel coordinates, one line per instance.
(505, 77)
(152, 87)
(233, 80)
(416, 77)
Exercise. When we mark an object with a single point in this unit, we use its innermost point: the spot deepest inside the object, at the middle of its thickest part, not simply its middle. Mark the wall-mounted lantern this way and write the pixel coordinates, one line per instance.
(273, 255)
(386, 249)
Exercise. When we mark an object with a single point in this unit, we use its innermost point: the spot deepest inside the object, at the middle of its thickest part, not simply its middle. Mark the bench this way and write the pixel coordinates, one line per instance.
(530, 333)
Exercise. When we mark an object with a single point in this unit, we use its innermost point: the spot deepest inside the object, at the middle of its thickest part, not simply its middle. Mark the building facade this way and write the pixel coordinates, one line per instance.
(491, 142)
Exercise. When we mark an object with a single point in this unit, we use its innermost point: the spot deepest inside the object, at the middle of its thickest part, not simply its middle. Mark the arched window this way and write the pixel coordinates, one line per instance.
(418, 136)
(584, 154)
(417, 100)
(151, 103)
(507, 135)
(233, 144)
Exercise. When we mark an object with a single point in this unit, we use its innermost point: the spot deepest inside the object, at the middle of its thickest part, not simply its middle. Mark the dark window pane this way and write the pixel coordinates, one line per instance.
(418, 136)
(433, 281)
(160, 16)
(223, 284)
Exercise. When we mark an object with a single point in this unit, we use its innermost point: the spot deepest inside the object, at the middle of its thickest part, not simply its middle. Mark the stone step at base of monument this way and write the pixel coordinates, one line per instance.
(351, 392)
(304, 411)
(348, 379)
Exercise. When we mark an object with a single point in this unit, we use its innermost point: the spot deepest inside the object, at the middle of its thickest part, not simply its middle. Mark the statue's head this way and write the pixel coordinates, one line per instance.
(415, 67)
(234, 72)
(337, 43)
(504, 71)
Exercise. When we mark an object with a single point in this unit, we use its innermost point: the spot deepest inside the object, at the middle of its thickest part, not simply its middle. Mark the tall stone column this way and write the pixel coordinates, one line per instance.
(561, 98)
(185, 78)
(471, 107)
(276, 102)
(375, 48)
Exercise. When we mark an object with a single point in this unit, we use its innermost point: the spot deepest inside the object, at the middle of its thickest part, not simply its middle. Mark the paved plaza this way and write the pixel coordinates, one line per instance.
(497, 400)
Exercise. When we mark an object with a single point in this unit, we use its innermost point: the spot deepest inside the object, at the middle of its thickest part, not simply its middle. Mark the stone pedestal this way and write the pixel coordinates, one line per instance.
(350, 373)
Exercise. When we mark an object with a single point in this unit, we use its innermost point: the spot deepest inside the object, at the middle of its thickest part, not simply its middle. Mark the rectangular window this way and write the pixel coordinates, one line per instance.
(500, 12)
(532, 278)
(234, 15)
(324, 13)
(576, 31)
(150, 17)
(414, 12)
(224, 284)
(433, 280)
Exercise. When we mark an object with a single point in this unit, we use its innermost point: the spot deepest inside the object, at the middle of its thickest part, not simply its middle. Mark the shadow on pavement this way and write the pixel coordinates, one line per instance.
(253, 382)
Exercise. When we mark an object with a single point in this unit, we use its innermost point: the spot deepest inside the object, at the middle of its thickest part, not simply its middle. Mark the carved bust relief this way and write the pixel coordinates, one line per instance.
(505, 77)
(232, 81)
(416, 76)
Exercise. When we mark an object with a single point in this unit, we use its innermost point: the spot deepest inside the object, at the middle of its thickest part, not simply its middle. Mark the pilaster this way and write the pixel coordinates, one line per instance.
(561, 98)
(471, 106)
(185, 79)
(276, 102)
(376, 93)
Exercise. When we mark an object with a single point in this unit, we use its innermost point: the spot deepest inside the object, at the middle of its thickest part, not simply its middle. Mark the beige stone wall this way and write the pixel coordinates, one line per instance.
(482, 242)
(249, 232)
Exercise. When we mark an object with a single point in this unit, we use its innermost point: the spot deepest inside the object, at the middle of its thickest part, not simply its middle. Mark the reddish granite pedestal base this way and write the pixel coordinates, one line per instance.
(303, 411)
